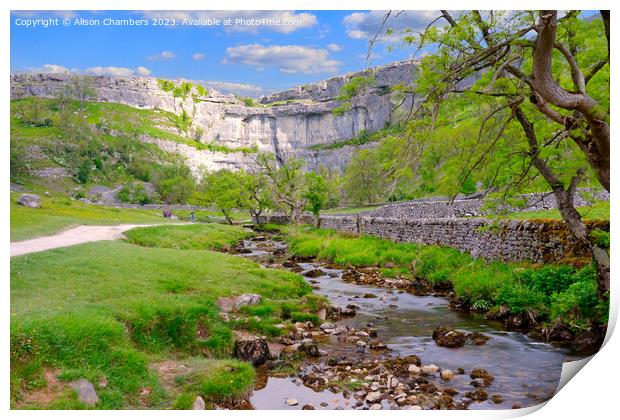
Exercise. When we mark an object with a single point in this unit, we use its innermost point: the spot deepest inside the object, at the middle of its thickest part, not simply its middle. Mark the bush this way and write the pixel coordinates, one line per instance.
(548, 279)
(176, 190)
(133, 193)
(521, 298)
(578, 303)
(84, 171)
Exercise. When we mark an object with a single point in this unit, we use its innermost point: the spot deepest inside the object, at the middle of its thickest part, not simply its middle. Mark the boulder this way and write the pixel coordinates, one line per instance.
(448, 338)
(447, 375)
(252, 349)
(314, 273)
(477, 339)
(85, 392)
(327, 326)
(30, 200)
(373, 397)
(310, 349)
(228, 304)
(199, 403)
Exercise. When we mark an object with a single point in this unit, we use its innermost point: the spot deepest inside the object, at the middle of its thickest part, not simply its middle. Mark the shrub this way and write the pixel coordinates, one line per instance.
(521, 298)
(548, 279)
(84, 171)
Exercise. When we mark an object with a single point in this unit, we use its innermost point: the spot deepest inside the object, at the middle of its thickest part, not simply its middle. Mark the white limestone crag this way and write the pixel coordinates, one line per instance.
(289, 123)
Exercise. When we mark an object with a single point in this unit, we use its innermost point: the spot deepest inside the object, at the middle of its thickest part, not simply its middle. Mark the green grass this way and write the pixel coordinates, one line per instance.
(598, 210)
(211, 236)
(106, 309)
(58, 213)
(554, 291)
(215, 381)
(350, 210)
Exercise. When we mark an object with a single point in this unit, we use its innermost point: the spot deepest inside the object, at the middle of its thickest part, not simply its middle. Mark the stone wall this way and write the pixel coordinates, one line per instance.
(537, 241)
(480, 207)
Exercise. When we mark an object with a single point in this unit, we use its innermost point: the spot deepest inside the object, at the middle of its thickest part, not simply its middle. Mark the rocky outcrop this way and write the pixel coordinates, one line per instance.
(29, 200)
(293, 122)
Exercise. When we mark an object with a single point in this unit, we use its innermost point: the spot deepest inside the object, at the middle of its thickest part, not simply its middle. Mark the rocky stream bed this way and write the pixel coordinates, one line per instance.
(380, 347)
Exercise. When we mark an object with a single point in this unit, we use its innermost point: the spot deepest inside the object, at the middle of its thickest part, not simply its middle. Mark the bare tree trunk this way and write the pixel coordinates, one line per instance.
(596, 145)
(565, 201)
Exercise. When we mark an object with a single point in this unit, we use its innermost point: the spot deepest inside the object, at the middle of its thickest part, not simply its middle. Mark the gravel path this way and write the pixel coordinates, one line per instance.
(73, 236)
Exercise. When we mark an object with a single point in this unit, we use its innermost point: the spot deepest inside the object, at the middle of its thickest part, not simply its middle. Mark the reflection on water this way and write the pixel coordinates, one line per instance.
(526, 372)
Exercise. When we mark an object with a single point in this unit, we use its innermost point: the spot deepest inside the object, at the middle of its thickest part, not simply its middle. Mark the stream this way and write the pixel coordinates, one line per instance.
(526, 371)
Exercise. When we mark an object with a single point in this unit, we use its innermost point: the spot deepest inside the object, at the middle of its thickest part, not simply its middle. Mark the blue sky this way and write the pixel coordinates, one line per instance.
(239, 58)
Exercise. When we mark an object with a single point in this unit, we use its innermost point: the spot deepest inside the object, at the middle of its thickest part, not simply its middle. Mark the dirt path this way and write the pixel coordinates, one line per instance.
(73, 236)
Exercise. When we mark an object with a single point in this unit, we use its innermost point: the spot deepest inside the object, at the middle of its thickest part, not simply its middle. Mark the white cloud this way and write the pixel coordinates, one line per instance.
(51, 68)
(242, 89)
(287, 58)
(164, 55)
(198, 56)
(93, 71)
(142, 71)
(117, 71)
(365, 25)
(253, 20)
(334, 47)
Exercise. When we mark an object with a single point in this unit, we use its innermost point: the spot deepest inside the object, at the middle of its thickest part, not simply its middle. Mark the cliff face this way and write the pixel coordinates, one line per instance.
(285, 123)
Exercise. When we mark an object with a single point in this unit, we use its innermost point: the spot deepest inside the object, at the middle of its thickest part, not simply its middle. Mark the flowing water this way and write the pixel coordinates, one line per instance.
(526, 371)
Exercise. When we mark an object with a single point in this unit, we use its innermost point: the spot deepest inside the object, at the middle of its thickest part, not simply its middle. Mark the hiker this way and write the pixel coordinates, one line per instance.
(191, 216)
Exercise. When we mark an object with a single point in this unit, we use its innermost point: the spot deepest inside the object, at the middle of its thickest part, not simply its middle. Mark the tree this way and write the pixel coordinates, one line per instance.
(317, 193)
(364, 179)
(174, 183)
(287, 183)
(81, 88)
(223, 189)
(535, 81)
(257, 195)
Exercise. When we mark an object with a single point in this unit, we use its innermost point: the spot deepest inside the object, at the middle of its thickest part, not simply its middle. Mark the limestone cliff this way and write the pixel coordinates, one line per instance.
(293, 122)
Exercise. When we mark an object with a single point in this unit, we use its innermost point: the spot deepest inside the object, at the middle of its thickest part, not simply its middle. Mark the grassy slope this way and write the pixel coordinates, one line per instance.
(108, 309)
(599, 210)
(58, 213)
(198, 236)
(114, 117)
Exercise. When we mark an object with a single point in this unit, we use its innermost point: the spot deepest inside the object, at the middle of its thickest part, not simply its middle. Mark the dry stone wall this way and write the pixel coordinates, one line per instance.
(478, 207)
(537, 241)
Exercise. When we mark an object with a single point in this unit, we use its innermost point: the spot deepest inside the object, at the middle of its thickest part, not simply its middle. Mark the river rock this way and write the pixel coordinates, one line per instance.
(30, 200)
(309, 348)
(292, 402)
(307, 407)
(477, 339)
(414, 369)
(447, 375)
(448, 338)
(314, 273)
(252, 349)
(373, 397)
(328, 326)
(199, 403)
(85, 392)
(375, 407)
(478, 394)
(429, 369)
